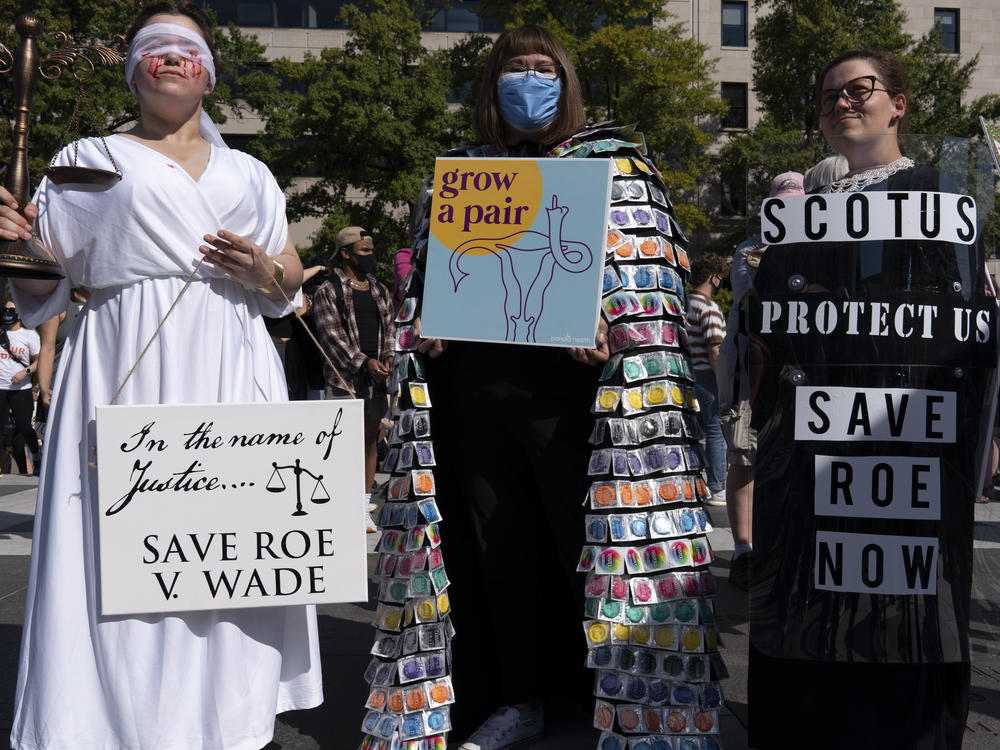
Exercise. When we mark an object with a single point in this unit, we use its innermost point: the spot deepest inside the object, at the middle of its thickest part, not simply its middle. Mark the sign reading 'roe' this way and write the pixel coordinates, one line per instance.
(878, 487)
(218, 506)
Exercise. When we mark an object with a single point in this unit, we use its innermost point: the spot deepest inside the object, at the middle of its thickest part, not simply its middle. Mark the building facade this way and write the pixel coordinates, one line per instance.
(293, 28)
(968, 27)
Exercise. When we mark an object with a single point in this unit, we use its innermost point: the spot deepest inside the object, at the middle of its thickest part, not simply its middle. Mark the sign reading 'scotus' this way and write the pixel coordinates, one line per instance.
(516, 250)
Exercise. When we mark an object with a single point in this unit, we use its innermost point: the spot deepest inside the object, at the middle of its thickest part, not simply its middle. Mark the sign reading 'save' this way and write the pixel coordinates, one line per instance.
(218, 506)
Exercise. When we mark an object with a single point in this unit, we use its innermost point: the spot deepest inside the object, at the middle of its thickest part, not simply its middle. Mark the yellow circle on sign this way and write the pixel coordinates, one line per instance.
(497, 200)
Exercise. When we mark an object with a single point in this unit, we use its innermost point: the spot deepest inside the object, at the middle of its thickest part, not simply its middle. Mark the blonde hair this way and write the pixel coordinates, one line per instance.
(527, 40)
(822, 173)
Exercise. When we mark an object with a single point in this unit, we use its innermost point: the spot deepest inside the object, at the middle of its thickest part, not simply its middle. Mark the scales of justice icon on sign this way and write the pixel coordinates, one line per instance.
(277, 484)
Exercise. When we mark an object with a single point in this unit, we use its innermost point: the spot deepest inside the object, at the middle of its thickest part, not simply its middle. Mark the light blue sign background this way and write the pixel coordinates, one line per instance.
(475, 311)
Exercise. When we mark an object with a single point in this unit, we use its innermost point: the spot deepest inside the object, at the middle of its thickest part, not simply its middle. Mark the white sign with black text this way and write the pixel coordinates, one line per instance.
(899, 487)
(876, 563)
(891, 414)
(867, 216)
(218, 506)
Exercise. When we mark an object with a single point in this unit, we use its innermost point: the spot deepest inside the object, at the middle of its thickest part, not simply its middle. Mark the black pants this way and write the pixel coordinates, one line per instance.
(21, 404)
(510, 431)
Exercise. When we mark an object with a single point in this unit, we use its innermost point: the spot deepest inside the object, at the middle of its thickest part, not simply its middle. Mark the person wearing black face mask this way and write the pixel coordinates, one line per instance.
(354, 319)
(19, 348)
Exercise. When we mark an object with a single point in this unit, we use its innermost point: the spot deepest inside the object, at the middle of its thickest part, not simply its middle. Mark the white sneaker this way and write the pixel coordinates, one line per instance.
(717, 499)
(505, 729)
(370, 525)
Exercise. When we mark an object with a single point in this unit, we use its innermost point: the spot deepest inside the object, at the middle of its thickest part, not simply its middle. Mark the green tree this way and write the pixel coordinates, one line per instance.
(636, 65)
(797, 38)
(938, 84)
(109, 104)
(366, 121)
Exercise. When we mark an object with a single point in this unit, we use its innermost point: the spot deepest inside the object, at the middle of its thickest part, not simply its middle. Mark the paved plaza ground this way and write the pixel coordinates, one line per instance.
(346, 637)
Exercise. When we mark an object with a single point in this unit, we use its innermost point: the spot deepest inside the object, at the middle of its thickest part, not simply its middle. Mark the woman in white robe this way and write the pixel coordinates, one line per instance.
(211, 679)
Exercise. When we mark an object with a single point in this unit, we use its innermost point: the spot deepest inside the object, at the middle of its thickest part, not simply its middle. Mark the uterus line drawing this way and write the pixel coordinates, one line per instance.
(549, 251)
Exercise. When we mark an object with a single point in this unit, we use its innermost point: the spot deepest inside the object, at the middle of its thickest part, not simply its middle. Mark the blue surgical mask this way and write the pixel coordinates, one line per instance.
(528, 102)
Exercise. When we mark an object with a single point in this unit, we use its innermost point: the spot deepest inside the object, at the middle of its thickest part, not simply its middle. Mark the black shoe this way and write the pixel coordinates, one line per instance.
(739, 572)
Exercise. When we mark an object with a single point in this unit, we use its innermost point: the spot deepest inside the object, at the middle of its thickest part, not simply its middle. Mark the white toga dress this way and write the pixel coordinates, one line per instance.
(202, 680)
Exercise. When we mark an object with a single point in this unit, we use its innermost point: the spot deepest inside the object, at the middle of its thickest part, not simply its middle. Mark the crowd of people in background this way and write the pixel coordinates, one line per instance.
(28, 359)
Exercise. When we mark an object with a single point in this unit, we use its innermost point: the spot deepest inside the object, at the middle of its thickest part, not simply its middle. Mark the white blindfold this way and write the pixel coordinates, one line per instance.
(161, 39)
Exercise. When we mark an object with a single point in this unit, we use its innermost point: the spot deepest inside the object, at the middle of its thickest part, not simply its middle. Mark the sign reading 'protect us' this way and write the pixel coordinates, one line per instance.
(516, 249)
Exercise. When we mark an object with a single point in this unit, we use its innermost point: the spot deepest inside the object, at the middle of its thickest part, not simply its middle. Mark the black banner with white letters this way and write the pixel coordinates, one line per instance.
(874, 370)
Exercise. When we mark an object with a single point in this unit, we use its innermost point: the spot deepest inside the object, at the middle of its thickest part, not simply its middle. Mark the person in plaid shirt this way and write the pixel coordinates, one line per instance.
(354, 319)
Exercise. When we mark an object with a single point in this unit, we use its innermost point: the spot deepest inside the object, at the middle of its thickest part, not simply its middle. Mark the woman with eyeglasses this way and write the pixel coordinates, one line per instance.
(878, 657)
(861, 103)
(513, 437)
(511, 424)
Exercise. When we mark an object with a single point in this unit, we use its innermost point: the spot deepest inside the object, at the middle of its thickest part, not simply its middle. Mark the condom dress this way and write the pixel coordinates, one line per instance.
(835, 662)
(207, 679)
(521, 436)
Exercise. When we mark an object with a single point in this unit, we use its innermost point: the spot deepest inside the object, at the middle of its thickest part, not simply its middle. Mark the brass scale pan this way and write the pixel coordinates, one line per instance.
(82, 176)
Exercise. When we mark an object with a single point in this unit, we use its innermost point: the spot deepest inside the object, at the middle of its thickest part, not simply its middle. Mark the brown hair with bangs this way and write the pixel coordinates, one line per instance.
(527, 40)
(889, 69)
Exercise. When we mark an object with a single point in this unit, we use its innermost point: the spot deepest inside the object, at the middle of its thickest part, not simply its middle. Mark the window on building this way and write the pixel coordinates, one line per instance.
(463, 15)
(946, 20)
(734, 198)
(296, 14)
(735, 96)
(734, 24)
(460, 15)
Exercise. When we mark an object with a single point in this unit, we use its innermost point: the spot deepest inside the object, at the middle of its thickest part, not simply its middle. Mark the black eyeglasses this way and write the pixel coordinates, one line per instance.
(856, 91)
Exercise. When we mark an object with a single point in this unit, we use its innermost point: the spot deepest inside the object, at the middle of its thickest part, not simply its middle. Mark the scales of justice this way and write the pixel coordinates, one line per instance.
(16, 257)
(277, 484)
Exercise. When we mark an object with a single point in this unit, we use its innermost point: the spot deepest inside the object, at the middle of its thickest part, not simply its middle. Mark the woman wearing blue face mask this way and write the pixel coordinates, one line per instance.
(513, 431)
(530, 98)
(510, 429)
(523, 412)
